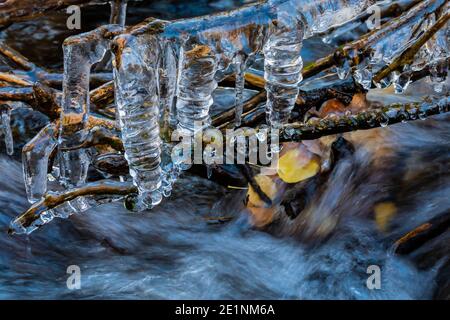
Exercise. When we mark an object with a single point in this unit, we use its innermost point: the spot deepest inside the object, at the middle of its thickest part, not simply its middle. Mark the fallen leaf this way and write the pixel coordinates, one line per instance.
(298, 164)
(267, 185)
(384, 212)
(261, 217)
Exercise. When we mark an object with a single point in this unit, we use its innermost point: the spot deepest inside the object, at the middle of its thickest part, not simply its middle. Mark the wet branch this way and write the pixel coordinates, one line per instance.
(30, 73)
(20, 10)
(389, 115)
(423, 233)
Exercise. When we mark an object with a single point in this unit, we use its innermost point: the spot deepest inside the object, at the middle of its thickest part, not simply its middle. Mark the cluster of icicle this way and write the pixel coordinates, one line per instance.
(396, 39)
(174, 67)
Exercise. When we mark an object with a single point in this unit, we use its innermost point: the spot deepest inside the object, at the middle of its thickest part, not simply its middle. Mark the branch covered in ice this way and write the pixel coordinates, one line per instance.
(396, 113)
(40, 213)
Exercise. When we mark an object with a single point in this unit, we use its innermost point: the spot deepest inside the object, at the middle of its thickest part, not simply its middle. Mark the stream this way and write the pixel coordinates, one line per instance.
(172, 252)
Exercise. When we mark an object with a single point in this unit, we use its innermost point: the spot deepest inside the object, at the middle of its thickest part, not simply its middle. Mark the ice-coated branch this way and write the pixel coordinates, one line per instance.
(392, 114)
(37, 215)
(407, 56)
(388, 9)
(356, 51)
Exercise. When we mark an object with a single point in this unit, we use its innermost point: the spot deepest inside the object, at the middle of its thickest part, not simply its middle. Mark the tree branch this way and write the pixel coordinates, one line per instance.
(316, 128)
(423, 233)
(20, 10)
(52, 200)
(407, 56)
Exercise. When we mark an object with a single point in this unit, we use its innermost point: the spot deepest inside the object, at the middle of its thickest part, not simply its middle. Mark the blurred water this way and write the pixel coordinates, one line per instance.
(172, 252)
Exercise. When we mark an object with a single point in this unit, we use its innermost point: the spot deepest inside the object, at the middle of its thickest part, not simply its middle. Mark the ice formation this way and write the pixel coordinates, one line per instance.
(80, 53)
(401, 34)
(35, 158)
(136, 82)
(169, 69)
(194, 54)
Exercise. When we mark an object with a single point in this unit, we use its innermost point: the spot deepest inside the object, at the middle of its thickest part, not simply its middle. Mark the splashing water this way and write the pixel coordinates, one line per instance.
(173, 253)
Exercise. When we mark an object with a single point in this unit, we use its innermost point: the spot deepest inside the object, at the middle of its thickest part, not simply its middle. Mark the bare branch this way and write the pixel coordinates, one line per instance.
(423, 233)
(20, 10)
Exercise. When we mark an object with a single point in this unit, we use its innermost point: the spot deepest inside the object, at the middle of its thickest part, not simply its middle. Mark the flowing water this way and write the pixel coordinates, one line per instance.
(173, 252)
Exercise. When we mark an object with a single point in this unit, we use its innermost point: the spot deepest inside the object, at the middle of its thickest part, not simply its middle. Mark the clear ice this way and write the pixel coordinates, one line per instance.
(192, 54)
(168, 71)
(35, 157)
(136, 89)
(400, 34)
(80, 53)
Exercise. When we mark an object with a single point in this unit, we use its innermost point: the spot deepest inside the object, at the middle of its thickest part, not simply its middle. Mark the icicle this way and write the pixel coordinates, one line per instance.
(364, 77)
(135, 74)
(118, 16)
(283, 71)
(196, 84)
(118, 12)
(35, 156)
(5, 112)
(239, 89)
(400, 82)
(80, 53)
(167, 85)
(343, 70)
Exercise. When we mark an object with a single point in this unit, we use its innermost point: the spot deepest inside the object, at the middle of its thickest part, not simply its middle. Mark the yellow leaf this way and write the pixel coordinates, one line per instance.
(267, 185)
(297, 165)
(384, 212)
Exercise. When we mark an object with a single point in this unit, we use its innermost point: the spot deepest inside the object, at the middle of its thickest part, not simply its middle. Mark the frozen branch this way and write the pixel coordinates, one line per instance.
(407, 57)
(52, 200)
(396, 113)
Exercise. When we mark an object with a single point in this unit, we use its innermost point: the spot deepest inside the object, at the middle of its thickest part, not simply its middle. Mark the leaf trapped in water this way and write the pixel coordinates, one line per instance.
(384, 212)
(298, 164)
(267, 185)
